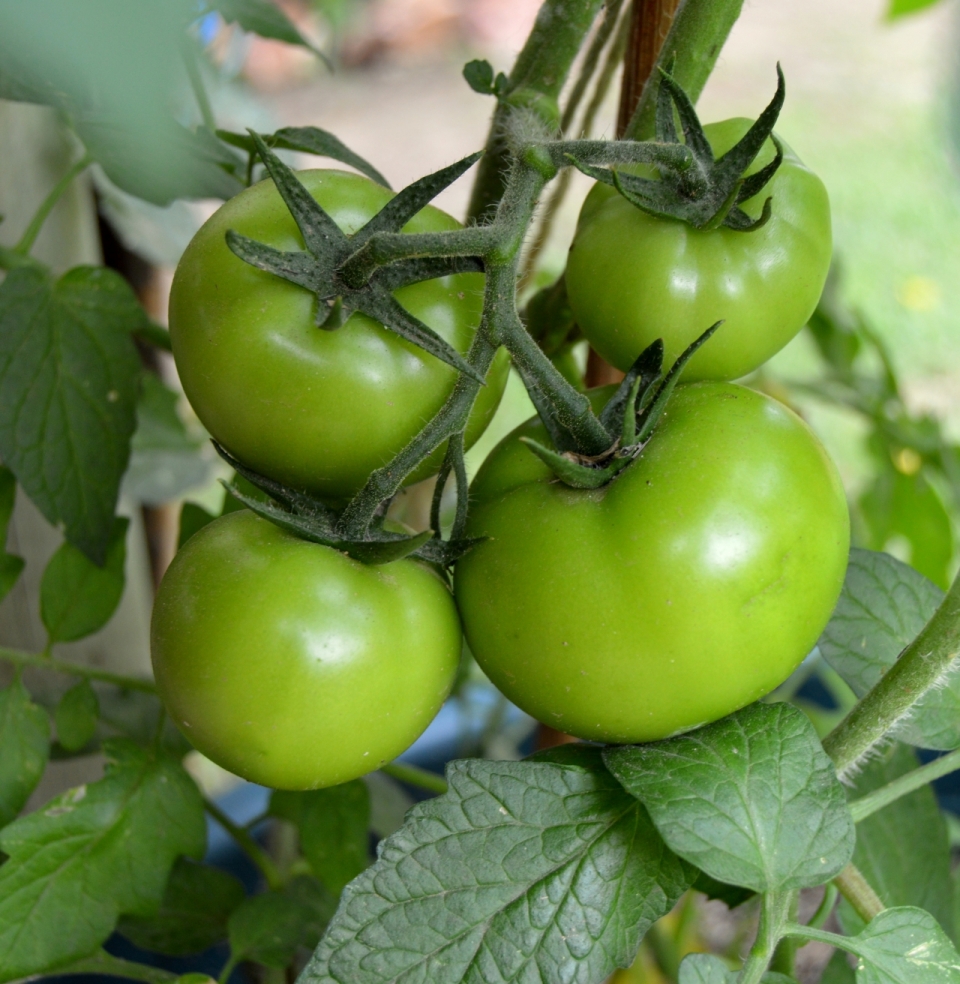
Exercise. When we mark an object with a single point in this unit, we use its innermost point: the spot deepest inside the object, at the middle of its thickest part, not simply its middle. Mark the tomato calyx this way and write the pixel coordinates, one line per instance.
(317, 268)
(708, 192)
(311, 519)
(631, 414)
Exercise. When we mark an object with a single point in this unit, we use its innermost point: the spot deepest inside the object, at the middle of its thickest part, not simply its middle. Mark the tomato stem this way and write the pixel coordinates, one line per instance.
(30, 234)
(919, 670)
(47, 662)
(245, 841)
(859, 892)
(412, 775)
(774, 913)
(696, 37)
(868, 805)
(541, 69)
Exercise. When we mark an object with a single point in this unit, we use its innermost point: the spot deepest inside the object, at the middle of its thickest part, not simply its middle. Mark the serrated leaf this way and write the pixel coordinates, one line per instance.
(905, 869)
(522, 871)
(91, 854)
(334, 829)
(69, 374)
(76, 596)
(311, 140)
(268, 928)
(262, 17)
(165, 460)
(752, 799)
(10, 564)
(706, 968)
(25, 744)
(883, 606)
(838, 970)
(193, 913)
(76, 716)
(906, 946)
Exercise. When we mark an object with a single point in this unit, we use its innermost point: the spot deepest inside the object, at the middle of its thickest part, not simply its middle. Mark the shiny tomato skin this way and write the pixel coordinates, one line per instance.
(292, 665)
(691, 585)
(314, 409)
(632, 278)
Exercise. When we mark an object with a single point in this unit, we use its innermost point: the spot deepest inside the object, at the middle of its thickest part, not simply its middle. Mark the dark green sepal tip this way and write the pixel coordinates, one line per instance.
(706, 192)
(309, 518)
(649, 417)
(318, 267)
(578, 474)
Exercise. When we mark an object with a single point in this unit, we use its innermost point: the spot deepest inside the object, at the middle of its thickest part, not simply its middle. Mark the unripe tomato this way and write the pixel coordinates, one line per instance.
(692, 584)
(314, 409)
(633, 278)
(292, 665)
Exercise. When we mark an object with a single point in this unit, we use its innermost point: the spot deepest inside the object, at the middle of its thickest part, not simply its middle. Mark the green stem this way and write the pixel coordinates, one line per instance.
(827, 903)
(76, 669)
(105, 963)
(921, 667)
(552, 207)
(228, 969)
(696, 37)
(196, 84)
(248, 845)
(822, 936)
(414, 776)
(859, 892)
(879, 798)
(46, 206)
(774, 914)
(540, 70)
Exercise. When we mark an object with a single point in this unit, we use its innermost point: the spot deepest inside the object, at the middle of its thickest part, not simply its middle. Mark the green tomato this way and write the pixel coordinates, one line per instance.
(292, 665)
(692, 584)
(633, 278)
(315, 409)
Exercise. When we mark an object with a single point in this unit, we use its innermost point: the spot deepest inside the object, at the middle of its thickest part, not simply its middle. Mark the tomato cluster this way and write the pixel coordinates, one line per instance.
(691, 584)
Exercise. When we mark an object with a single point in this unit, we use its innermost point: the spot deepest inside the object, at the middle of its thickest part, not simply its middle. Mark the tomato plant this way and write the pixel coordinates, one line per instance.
(314, 409)
(269, 672)
(638, 566)
(588, 608)
(633, 277)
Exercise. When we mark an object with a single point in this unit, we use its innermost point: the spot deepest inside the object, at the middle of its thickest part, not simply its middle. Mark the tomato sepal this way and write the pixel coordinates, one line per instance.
(309, 518)
(634, 409)
(704, 192)
(318, 267)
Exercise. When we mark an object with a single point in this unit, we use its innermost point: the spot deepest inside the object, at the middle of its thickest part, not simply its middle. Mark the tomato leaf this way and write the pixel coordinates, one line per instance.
(909, 870)
(906, 946)
(838, 970)
(752, 800)
(334, 829)
(76, 716)
(165, 460)
(267, 928)
(76, 596)
(113, 70)
(68, 386)
(193, 913)
(25, 740)
(706, 968)
(10, 565)
(264, 18)
(883, 606)
(69, 877)
(307, 140)
(521, 871)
